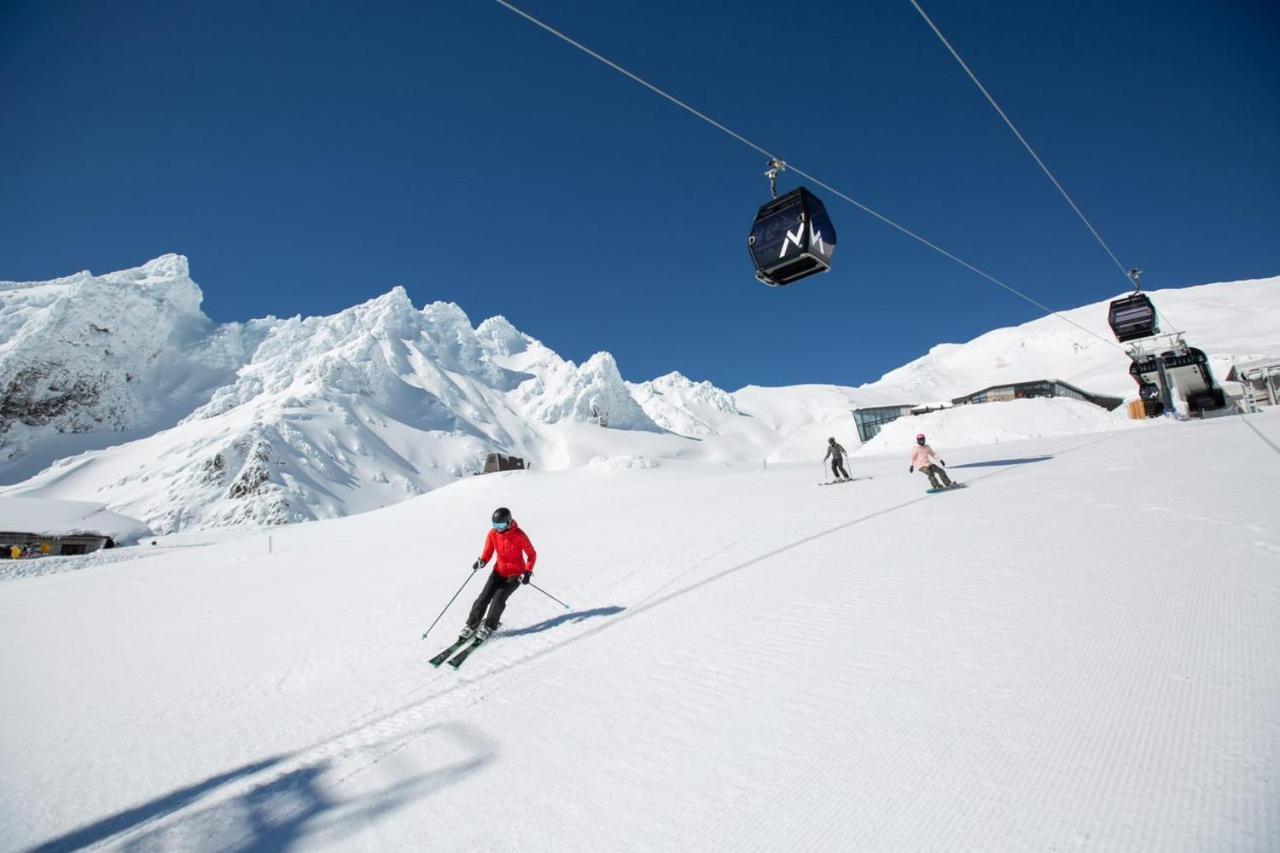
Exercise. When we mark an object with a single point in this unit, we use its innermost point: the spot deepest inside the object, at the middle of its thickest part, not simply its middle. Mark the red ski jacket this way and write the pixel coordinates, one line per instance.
(512, 547)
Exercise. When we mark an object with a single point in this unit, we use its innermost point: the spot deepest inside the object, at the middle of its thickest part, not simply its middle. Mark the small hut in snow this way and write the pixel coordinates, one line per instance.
(52, 527)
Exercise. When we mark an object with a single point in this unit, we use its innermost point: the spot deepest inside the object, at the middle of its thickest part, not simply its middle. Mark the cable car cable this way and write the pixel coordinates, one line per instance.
(1129, 273)
(772, 157)
(1022, 139)
(616, 67)
(944, 252)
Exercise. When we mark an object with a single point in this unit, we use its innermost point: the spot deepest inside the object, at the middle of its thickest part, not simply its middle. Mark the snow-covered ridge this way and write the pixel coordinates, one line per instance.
(118, 389)
(274, 421)
(81, 353)
(124, 351)
(1231, 321)
(683, 406)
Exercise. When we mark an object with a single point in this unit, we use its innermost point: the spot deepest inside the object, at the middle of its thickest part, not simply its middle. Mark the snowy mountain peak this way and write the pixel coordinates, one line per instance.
(701, 392)
(165, 268)
(592, 392)
(501, 337)
(167, 278)
(685, 407)
(86, 353)
(450, 340)
(390, 315)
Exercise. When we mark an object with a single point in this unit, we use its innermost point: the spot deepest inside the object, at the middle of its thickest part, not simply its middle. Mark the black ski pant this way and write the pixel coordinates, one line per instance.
(934, 472)
(497, 590)
(837, 468)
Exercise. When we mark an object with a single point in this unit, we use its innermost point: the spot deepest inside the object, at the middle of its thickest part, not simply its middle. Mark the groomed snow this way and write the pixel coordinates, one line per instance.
(1081, 651)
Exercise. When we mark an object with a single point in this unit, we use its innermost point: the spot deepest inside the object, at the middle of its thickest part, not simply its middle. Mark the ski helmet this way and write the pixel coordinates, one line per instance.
(920, 438)
(831, 440)
(501, 518)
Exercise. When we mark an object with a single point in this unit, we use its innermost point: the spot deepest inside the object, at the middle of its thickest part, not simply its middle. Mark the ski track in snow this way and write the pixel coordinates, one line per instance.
(1073, 654)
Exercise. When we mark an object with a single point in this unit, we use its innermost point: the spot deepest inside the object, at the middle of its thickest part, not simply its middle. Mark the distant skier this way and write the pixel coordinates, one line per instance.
(836, 454)
(509, 572)
(922, 457)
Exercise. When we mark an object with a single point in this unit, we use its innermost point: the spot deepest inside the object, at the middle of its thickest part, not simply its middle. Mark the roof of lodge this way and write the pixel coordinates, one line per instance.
(45, 517)
(1086, 394)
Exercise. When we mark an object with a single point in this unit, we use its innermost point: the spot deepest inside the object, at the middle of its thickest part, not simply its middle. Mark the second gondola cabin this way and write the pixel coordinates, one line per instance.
(792, 238)
(1133, 317)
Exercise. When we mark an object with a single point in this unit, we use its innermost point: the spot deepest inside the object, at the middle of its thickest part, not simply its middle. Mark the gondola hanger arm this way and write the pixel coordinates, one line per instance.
(1135, 276)
(775, 166)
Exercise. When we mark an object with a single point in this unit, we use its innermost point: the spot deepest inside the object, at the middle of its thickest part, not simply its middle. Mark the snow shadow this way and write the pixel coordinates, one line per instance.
(577, 616)
(281, 813)
(291, 810)
(121, 821)
(1245, 420)
(992, 463)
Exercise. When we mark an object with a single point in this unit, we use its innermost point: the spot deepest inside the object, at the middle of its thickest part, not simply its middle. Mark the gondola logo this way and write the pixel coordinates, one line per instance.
(815, 239)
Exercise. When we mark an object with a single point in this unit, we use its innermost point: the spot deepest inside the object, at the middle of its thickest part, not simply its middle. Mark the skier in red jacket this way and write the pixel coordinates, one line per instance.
(509, 572)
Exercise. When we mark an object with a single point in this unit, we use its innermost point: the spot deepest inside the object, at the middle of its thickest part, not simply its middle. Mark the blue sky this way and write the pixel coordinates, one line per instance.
(308, 156)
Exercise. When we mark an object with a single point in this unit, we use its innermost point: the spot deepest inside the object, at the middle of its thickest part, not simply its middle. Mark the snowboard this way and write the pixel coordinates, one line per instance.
(950, 488)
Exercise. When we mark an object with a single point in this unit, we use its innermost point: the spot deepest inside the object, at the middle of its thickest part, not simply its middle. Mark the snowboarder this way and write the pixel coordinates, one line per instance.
(509, 572)
(922, 457)
(836, 454)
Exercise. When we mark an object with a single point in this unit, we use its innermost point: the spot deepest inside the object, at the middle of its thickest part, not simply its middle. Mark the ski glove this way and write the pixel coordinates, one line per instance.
(911, 470)
(526, 577)
(478, 564)
(942, 462)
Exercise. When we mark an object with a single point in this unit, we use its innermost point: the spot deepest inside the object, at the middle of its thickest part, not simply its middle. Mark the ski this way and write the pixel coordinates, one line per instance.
(838, 482)
(444, 655)
(461, 657)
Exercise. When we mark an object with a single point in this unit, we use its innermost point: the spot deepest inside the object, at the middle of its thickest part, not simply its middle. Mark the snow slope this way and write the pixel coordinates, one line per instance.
(1081, 651)
(117, 389)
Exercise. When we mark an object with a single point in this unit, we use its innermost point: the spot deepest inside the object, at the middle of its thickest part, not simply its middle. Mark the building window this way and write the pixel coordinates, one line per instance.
(871, 421)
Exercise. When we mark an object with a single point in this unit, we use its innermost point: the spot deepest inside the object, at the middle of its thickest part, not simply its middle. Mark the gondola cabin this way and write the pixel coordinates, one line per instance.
(1133, 317)
(792, 238)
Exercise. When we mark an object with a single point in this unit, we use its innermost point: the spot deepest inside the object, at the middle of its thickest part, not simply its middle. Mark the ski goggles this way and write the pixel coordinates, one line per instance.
(501, 526)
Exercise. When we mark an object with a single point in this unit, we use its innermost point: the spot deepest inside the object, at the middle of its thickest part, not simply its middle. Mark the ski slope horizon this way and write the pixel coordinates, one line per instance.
(147, 406)
(750, 663)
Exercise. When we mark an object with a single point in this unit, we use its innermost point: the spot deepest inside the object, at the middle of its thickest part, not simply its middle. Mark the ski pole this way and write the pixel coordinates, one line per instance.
(548, 595)
(451, 601)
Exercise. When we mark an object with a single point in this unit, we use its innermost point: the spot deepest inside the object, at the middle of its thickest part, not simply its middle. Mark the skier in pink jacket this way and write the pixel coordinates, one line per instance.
(922, 457)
